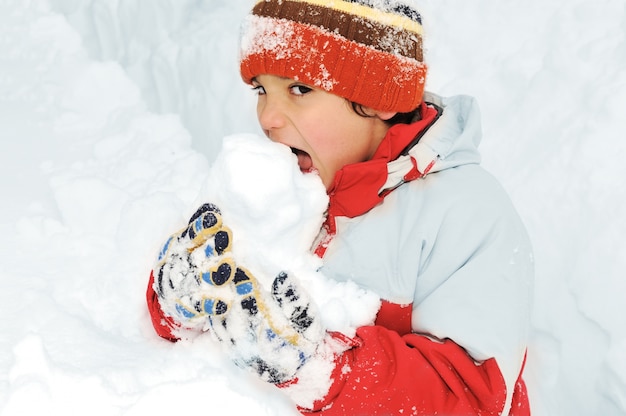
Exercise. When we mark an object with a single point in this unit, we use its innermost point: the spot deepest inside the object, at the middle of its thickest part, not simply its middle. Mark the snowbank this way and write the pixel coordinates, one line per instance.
(112, 112)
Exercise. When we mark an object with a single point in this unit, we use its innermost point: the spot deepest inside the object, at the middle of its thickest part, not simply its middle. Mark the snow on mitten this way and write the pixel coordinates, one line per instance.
(274, 334)
(193, 268)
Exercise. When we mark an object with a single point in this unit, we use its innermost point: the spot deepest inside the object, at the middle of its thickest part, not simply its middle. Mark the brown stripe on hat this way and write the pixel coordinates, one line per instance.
(361, 29)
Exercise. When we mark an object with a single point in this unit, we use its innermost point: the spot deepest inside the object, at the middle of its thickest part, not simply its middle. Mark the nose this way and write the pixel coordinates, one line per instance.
(271, 114)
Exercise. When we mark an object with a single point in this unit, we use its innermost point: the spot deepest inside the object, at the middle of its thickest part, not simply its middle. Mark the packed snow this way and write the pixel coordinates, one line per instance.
(275, 213)
(112, 120)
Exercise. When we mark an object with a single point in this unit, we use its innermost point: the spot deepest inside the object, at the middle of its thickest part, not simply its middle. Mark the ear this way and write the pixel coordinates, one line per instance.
(383, 115)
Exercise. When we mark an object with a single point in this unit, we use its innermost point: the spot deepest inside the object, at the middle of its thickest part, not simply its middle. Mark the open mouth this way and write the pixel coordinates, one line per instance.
(304, 160)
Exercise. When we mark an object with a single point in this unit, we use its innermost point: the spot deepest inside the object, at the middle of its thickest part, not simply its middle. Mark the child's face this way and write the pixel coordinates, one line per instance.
(321, 128)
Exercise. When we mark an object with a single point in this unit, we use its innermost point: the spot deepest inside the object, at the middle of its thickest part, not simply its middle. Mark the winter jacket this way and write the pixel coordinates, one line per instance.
(452, 260)
(426, 228)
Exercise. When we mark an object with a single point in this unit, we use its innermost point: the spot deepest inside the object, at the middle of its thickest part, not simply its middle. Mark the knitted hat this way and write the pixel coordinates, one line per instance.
(367, 51)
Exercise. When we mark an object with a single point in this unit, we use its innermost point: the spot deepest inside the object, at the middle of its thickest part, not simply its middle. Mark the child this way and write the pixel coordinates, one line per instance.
(412, 216)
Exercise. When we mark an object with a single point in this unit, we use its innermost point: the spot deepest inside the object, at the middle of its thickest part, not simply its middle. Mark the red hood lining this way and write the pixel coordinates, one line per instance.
(355, 187)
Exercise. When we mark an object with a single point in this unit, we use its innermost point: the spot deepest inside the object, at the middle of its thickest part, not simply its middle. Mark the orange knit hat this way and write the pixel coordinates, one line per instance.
(367, 51)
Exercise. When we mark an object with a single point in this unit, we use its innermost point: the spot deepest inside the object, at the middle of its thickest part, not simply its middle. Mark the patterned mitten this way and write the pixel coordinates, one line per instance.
(272, 331)
(274, 334)
(192, 267)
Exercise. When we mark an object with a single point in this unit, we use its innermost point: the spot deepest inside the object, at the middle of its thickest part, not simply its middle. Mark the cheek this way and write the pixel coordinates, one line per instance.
(331, 159)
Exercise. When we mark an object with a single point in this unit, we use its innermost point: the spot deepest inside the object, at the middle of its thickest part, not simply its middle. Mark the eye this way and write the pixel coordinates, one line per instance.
(300, 89)
(258, 89)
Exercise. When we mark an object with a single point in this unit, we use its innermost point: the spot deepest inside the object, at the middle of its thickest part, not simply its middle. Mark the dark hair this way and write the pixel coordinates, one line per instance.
(399, 118)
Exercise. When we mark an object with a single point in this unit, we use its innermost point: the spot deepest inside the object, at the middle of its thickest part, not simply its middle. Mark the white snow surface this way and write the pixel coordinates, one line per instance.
(112, 114)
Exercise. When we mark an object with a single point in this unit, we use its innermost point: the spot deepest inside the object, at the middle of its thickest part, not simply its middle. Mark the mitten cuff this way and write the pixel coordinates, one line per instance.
(163, 325)
(322, 377)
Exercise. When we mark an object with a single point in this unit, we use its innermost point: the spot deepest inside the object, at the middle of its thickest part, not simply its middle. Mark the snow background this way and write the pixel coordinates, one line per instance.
(111, 113)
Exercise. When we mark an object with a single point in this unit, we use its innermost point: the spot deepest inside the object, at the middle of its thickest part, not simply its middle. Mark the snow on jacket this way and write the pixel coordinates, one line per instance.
(450, 257)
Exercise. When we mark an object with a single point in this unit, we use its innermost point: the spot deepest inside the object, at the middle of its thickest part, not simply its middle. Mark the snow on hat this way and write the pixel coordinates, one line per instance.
(367, 51)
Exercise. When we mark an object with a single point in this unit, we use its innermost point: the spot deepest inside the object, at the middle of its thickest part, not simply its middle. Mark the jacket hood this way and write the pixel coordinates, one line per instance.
(447, 136)
(455, 137)
(452, 140)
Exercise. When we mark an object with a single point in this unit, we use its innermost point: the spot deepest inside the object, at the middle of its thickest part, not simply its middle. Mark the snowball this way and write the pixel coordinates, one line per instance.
(275, 212)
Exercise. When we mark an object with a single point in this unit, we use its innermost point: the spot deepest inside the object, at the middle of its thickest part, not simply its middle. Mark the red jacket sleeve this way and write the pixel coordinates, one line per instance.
(163, 325)
(414, 375)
